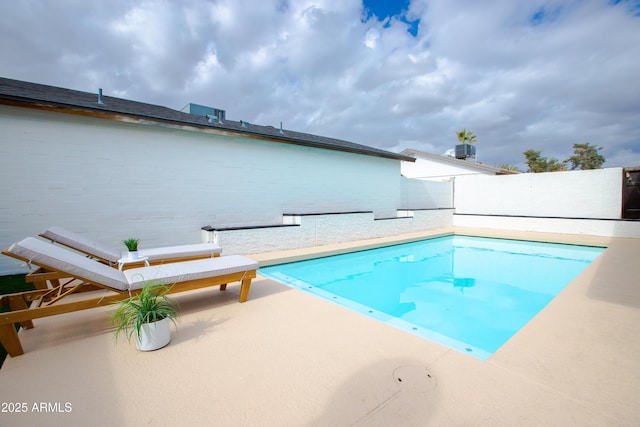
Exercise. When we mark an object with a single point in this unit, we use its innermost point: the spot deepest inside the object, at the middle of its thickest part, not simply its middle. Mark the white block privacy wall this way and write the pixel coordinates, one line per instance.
(577, 202)
(112, 180)
(578, 194)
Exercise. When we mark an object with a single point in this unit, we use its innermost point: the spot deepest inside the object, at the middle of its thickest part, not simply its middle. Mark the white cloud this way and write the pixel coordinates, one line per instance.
(538, 74)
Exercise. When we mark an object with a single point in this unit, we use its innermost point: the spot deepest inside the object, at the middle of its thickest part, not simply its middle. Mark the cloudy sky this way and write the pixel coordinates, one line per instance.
(541, 74)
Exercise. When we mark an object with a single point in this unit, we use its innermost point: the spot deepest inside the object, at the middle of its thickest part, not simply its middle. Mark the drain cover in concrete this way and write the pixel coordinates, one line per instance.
(414, 378)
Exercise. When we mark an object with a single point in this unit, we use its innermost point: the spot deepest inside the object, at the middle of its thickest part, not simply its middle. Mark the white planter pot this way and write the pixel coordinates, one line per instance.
(154, 335)
(133, 255)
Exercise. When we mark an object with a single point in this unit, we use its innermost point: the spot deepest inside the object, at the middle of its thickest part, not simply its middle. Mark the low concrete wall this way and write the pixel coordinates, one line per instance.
(323, 229)
(591, 227)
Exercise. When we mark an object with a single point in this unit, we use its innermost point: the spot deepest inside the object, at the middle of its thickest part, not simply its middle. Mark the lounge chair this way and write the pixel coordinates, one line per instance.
(85, 274)
(112, 257)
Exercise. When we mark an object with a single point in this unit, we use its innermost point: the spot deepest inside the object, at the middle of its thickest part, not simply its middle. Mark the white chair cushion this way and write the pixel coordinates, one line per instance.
(81, 243)
(45, 254)
(188, 270)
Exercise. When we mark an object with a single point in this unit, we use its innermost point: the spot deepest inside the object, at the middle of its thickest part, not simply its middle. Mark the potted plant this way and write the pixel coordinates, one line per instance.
(148, 315)
(132, 247)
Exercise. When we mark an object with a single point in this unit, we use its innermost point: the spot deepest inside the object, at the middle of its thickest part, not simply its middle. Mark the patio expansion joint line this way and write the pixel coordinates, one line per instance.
(377, 409)
(444, 353)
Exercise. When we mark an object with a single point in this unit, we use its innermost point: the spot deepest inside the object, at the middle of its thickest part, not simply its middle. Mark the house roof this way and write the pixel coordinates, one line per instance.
(34, 95)
(480, 167)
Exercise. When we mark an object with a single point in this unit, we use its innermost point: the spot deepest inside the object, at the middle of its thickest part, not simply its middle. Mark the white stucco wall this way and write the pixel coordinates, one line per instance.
(424, 194)
(575, 194)
(112, 180)
(433, 169)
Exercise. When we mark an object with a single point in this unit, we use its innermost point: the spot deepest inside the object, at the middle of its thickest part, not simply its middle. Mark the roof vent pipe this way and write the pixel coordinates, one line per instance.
(100, 100)
(281, 128)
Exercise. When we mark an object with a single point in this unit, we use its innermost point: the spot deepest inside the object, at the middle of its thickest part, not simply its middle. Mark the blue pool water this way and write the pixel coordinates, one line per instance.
(468, 293)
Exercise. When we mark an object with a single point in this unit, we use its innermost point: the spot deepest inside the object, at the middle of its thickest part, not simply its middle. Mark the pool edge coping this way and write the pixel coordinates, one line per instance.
(292, 255)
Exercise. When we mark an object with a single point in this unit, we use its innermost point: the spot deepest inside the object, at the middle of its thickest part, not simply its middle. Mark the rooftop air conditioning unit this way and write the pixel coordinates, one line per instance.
(464, 151)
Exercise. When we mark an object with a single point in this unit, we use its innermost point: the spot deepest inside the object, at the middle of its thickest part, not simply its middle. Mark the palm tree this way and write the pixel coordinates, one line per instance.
(466, 137)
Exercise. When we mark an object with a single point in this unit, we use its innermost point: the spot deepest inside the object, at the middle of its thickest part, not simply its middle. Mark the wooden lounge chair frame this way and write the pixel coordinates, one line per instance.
(53, 286)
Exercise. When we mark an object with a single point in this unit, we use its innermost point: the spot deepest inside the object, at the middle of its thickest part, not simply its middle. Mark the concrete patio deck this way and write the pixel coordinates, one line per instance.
(287, 358)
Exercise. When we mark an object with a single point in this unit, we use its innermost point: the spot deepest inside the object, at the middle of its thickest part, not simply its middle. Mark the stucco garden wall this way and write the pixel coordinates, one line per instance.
(435, 170)
(576, 194)
(112, 180)
(576, 202)
(424, 194)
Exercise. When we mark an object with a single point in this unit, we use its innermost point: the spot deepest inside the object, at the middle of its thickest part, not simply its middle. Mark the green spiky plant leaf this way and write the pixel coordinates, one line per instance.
(131, 244)
(148, 306)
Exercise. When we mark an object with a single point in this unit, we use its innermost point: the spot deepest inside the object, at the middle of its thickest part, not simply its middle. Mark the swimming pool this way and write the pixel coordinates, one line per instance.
(467, 293)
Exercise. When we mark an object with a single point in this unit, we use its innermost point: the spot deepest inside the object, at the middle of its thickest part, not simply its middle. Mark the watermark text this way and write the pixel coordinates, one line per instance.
(36, 407)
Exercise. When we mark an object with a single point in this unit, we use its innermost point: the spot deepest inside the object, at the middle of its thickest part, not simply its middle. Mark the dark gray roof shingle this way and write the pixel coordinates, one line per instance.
(39, 94)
